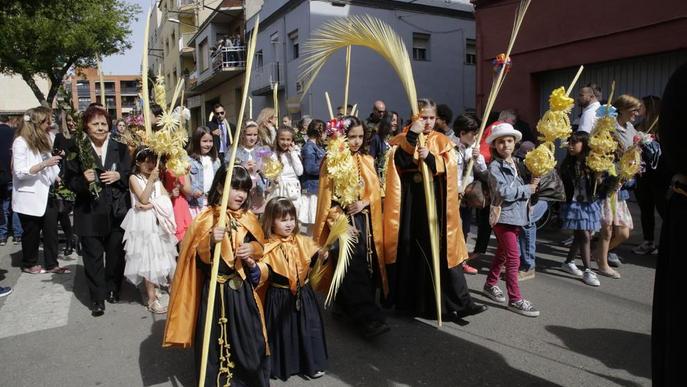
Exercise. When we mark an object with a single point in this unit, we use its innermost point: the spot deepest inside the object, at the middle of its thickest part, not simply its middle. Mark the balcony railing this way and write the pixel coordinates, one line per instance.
(129, 90)
(229, 58)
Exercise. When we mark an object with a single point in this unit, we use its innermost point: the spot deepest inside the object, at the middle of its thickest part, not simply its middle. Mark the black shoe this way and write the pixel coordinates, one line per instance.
(375, 328)
(17, 241)
(98, 309)
(77, 245)
(471, 310)
(112, 297)
(3, 241)
(68, 248)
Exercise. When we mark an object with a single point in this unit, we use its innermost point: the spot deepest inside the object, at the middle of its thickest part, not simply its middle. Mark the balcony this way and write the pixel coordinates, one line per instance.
(185, 49)
(186, 5)
(226, 63)
(229, 59)
(128, 90)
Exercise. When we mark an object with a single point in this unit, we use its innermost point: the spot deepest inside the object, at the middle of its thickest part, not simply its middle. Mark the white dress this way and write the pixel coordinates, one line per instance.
(287, 184)
(149, 239)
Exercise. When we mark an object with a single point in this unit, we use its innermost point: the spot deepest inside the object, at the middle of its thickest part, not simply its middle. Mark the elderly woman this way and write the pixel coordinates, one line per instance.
(35, 170)
(98, 176)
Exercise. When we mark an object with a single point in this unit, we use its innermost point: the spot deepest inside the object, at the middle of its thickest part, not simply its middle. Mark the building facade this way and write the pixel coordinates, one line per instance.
(439, 36)
(638, 44)
(121, 91)
(17, 97)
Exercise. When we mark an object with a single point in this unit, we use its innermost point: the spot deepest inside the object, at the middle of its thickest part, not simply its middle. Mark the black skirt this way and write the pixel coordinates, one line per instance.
(297, 341)
(244, 331)
(411, 277)
(356, 296)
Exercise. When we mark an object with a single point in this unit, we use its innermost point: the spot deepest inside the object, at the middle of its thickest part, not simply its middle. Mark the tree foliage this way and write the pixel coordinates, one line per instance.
(48, 37)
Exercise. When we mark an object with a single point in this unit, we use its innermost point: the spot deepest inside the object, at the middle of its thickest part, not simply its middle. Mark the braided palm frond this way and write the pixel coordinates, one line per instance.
(358, 30)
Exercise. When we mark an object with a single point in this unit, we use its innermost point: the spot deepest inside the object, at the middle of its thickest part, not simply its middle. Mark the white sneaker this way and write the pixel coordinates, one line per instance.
(524, 308)
(495, 293)
(590, 278)
(571, 268)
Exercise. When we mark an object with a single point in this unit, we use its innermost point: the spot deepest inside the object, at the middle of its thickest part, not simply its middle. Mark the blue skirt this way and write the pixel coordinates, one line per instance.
(581, 216)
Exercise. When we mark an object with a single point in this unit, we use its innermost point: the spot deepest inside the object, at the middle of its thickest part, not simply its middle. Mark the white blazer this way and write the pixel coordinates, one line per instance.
(30, 191)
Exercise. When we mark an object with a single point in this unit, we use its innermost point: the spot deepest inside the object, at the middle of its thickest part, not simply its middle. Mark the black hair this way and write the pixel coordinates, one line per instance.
(240, 180)
(354, 121)
(384, 126)
(142, 155)
(217, 105)
(156, 109)
(596, 90)
(568, 165)
(467, 123)
(445, 113)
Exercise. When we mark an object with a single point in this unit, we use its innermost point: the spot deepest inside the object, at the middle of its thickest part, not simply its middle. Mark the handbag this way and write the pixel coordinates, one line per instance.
(476, 194)
(551, 188)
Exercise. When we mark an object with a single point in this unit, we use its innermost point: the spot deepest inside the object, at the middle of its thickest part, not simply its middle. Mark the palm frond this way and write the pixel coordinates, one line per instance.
(346, 246)
(358, 30)
(340, 231)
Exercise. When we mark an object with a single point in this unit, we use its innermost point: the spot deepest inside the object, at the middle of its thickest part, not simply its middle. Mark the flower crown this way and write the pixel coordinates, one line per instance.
(337, 127)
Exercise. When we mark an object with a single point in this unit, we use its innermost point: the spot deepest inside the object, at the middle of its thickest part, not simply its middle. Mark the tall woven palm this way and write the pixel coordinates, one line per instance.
(370, 32)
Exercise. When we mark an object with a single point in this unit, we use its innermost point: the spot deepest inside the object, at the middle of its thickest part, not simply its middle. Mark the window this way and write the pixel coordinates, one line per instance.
(293, 41)
(84, 102)
(203, 55)
(258, 58)
(420, 46)
(470, 51)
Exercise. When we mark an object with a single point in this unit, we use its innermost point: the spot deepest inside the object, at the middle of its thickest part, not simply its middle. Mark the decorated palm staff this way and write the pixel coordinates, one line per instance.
(502, 65)
(602, 144)
(236, 353)
(406, 235)
(554, 125)
(349, 193)
(380, 37)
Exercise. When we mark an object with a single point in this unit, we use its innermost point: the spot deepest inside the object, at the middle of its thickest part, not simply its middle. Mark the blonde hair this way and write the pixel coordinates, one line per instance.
(29, 129)
(263, 131)
(626, 102)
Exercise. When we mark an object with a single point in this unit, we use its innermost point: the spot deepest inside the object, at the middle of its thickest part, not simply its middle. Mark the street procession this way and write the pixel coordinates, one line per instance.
(334, 193)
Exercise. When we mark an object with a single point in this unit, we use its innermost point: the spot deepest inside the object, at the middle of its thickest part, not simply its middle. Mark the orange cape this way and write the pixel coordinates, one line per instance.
(442, 149)
(298, 249)
(371, 193)
(184, 302)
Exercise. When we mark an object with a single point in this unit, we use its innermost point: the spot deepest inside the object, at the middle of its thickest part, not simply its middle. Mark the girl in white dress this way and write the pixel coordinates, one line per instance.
(149, 230)
(289, 155)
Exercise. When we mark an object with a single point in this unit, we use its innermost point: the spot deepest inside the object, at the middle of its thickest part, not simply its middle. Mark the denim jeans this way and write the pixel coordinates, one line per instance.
(6, 196)
(528, 237)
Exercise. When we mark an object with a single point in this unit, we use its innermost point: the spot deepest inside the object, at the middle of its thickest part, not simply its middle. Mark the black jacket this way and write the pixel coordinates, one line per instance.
(97, 216)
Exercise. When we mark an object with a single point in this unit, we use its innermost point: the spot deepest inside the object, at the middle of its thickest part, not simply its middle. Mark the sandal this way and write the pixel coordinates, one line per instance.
(156, 307)
(59, 270)
(37, 269)
(611, 274)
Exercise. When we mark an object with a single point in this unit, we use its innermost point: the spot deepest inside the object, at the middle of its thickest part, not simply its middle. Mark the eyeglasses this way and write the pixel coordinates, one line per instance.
(220, 113)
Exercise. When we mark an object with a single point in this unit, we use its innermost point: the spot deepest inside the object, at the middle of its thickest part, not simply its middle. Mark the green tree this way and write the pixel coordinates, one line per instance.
(48, 38)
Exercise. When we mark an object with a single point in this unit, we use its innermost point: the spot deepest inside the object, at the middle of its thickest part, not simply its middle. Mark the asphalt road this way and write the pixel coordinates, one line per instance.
(584, 336)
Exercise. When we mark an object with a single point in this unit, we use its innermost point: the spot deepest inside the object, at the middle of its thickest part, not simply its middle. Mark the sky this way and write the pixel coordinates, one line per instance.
(129, 62)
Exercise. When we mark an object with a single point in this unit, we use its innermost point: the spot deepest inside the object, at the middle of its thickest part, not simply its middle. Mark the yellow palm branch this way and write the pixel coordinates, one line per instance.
(358, 30)
(340, 231)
